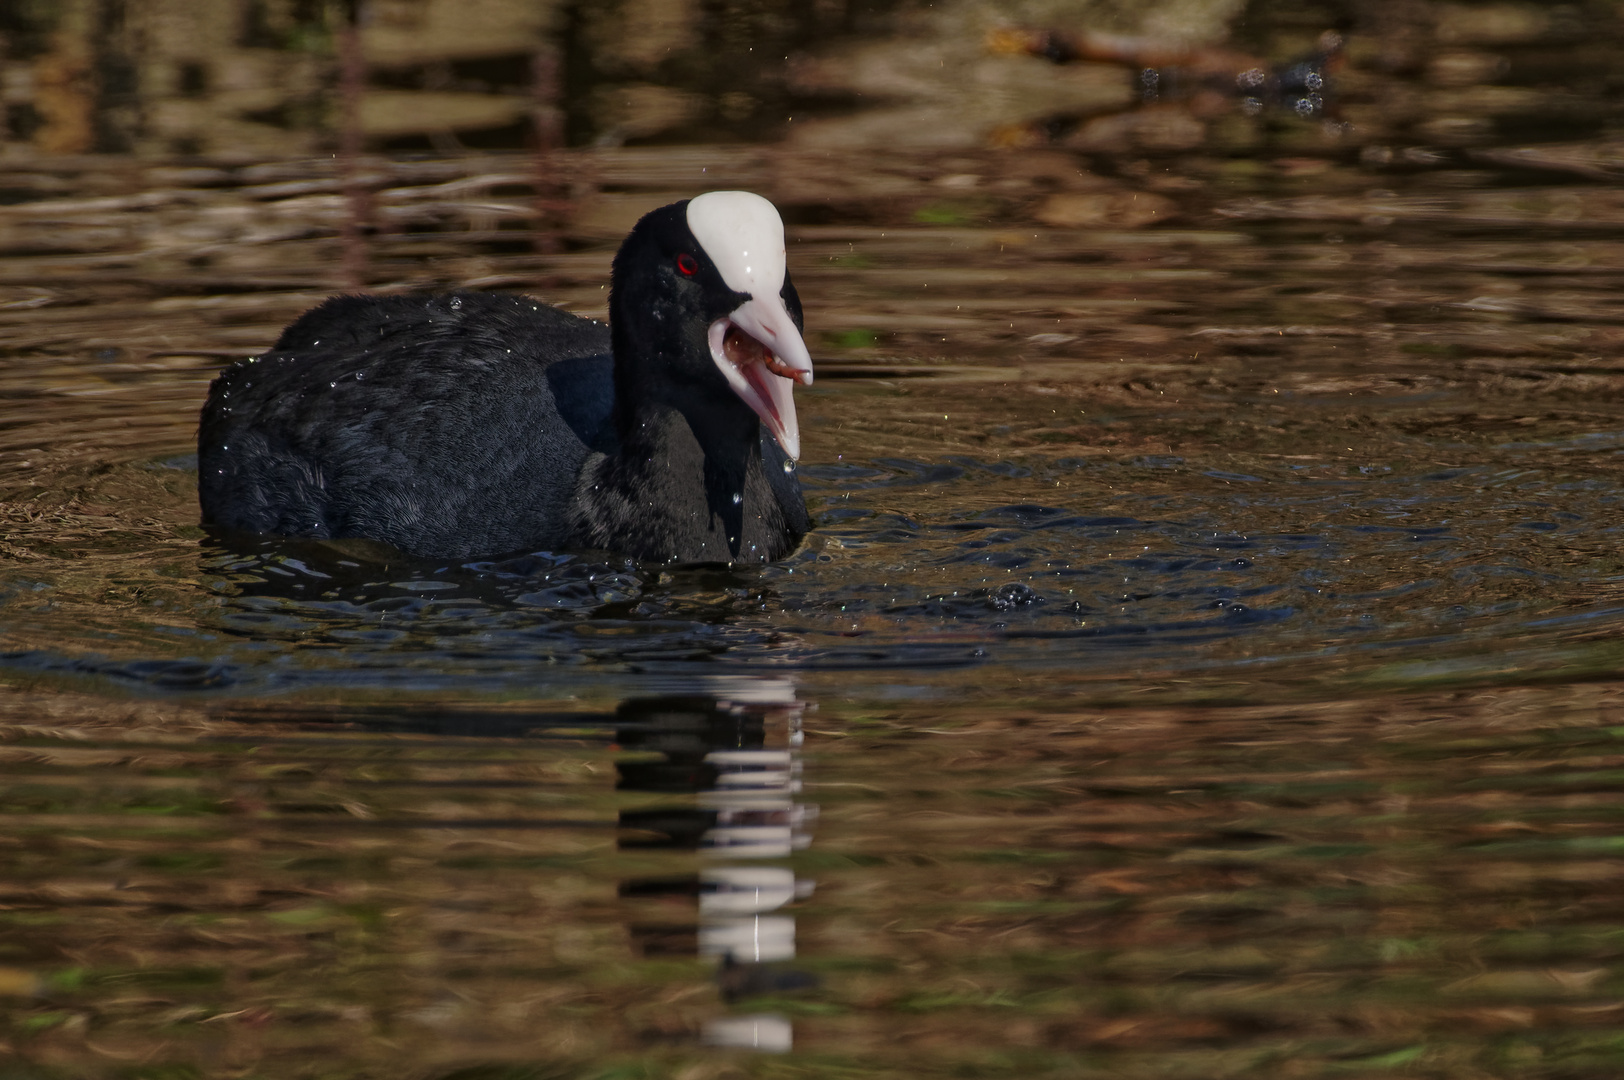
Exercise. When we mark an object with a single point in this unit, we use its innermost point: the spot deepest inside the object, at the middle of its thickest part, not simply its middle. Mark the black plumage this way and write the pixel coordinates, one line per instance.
(479, 424)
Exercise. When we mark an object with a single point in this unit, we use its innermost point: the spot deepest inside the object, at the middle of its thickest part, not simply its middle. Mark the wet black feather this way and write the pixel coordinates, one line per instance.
(479, 424)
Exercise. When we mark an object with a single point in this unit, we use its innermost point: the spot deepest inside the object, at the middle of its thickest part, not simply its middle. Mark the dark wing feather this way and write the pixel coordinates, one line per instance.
(428, 423)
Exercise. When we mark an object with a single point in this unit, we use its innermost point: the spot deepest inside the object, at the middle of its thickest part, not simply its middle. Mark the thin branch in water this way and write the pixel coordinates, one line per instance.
(548, 137)
(351, 85)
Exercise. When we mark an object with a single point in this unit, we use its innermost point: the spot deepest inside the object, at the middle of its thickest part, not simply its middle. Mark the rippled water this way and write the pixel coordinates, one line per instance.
(1333, 489)
(1203, 664)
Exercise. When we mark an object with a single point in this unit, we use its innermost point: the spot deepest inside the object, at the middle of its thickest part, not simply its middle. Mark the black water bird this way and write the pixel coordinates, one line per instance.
(478, 423)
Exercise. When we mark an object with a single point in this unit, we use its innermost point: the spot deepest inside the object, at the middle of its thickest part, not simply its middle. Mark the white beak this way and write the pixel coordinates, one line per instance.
(762, 359)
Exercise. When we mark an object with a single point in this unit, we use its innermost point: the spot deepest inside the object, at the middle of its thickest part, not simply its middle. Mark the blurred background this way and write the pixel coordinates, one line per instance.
(1073, 113)
(1206, 661)
(258, 78)
(252, 79)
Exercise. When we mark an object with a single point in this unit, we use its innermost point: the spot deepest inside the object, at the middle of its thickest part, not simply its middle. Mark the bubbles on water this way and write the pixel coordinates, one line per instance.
(1014, 595)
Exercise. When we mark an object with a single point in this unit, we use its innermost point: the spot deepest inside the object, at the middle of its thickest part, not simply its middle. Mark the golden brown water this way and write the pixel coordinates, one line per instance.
(1205, 662)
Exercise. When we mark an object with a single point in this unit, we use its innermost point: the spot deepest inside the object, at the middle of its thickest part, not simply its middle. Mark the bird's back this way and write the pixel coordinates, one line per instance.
(447, 426)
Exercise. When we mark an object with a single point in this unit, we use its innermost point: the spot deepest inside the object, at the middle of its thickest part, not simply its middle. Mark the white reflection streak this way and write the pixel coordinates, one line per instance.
(757, 817)
(767, 1031)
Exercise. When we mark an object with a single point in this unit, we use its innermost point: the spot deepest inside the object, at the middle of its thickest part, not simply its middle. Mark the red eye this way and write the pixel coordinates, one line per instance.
(687, 264)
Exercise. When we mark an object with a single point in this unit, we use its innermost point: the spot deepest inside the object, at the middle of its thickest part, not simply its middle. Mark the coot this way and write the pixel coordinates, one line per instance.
(478, 423)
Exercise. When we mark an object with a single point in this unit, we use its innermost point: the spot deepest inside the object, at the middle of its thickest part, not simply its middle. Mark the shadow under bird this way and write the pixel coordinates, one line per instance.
(481, 423)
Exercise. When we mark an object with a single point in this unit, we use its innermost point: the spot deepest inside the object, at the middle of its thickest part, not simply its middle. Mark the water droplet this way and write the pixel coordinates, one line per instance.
(456, 303)
(737, 498)
(789, 465)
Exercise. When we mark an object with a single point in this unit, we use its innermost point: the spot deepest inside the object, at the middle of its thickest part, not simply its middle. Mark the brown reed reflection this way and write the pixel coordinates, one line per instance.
(1412, 878)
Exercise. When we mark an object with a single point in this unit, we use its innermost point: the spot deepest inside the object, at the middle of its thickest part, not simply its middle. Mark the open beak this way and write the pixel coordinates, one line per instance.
(762, 356)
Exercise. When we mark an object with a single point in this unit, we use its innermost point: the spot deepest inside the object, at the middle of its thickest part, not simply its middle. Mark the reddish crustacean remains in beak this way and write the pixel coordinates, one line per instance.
(762, 356)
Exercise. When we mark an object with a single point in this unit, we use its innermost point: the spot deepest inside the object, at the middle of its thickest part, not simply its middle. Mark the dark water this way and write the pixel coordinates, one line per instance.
(1380, 486)
(1203, 665)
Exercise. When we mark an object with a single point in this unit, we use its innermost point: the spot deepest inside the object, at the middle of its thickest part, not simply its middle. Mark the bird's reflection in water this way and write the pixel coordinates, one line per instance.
(739, 759)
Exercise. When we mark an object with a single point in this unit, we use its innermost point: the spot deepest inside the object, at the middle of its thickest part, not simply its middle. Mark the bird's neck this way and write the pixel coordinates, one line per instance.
(694, 440)
(691, 444)
(686, 485)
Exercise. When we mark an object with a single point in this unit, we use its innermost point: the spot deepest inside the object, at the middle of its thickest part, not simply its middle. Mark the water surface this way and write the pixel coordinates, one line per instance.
(1203, 664)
